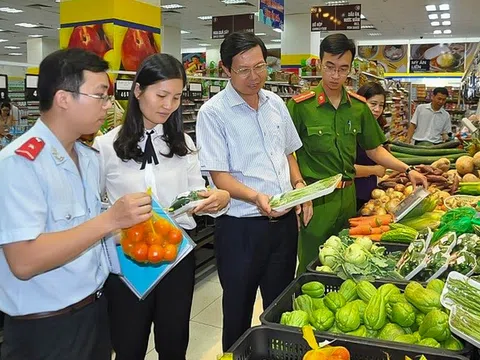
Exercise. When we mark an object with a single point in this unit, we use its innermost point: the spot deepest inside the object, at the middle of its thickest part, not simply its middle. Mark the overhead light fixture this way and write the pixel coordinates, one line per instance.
(1, 30)
(172, 6)
(445, 16)
(447, 31)
(205, 17)
(446, 23)
(368, 26)
(256, 14)
(437, 32)
(260, 34)
(435, 23)
(444, 7)
(433, 16)
(35, 36)
(204, 44)
(234, 2)
(3, 40)
(277, 30)
(431, 8)
(375, 34)
(362, 17)
(337, 2)
(276, 40)
(15, 54)
(183, 32)
(27, 25)
(11, 47)
(10, 10)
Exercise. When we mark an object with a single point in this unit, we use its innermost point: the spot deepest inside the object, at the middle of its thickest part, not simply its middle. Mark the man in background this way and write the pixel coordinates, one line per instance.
(431, 122)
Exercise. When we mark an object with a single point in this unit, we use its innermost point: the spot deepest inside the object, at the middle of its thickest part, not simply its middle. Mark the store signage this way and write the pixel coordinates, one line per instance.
(222, 26)
(122, 89)
(419, 66)
(214, 89)
(195, 91)
(3, 87)
(336, 18)
(31, 85)
(272, 13)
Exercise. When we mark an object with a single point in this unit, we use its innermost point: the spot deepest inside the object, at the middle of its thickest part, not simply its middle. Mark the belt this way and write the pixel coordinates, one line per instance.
(69, 309)
(344, 184)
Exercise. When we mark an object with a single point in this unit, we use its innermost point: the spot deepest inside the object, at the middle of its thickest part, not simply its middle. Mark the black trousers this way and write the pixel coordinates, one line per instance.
(252, 253)
(80, 335)
(168, 307)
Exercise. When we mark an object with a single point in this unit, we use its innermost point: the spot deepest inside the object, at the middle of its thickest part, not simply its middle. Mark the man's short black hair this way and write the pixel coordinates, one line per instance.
(237, 43)
(63, 70)
(337, 44)
(440, 90)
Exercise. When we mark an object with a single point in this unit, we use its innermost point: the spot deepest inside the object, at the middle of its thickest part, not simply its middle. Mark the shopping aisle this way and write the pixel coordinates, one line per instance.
(206, 321)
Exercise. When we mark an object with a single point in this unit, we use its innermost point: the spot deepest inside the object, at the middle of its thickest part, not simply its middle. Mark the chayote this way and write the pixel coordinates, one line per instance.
(401, 313)
(375, 315)
(334, 301)
(435, 326)
(390, 331)
(322, 319)
(348, 318)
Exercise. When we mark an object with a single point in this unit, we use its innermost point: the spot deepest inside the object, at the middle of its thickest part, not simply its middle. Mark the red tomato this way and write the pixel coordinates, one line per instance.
(140, 252)
(152, 238)
(136, 233)
(155, 254)
(127, 245)
(170, 252)
(175, 236)
(162, 227)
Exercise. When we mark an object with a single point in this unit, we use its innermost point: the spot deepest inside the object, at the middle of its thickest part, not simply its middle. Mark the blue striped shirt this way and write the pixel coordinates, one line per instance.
(251, 145)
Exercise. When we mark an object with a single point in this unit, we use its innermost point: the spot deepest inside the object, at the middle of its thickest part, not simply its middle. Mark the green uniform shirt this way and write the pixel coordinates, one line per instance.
(330, 135)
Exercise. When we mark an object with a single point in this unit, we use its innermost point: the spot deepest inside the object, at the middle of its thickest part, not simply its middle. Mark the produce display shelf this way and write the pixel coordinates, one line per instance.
(266, 343)
(284, 302)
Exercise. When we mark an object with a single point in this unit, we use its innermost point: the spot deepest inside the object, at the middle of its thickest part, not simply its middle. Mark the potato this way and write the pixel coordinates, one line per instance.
(408, 190)
(396, 195)
(476, 160)
(380, 211)
(366, 211)
(442, 164)
(399, 188)
(470, 178)
(390, 191)
(384, 199)
(377, 193)
(464, 165)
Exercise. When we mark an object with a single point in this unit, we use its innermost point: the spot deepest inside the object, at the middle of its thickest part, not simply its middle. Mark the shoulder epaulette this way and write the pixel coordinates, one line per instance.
(356, 96)
(31, 148)
(303, 96)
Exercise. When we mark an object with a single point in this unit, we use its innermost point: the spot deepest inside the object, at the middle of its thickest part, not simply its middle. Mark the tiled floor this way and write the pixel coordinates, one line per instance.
(206, 321)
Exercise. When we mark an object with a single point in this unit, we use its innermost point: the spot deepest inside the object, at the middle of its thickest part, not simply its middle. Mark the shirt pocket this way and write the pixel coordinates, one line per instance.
(320, 139)
(66, 216)
(351, 129)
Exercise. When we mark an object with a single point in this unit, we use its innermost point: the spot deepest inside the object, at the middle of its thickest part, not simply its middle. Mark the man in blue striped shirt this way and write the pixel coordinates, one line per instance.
(247, 139)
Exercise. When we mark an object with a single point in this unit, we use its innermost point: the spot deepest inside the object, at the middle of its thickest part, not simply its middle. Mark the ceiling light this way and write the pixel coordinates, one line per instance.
(12, 47)
(433, 16)
(431, 8)
(183, 32)
(369, 26)
(437, 32)
(362, 17)
(234, 2)
(375, 34)
(26, 25)
(277, 30)
(204, 44)
(444, 7)
(10, 10)
(15, 54)
(205, 17)
(446, 23)
(256, 14)
(35, 36)
(337, 2)
(3, 40)
(447, 31)
(276, 40)
(445, 16)
(1, 30)
(260, 34)
(435, 23)
(172, 6)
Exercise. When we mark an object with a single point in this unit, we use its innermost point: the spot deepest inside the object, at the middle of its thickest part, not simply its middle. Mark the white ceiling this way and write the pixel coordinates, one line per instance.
(394, 19)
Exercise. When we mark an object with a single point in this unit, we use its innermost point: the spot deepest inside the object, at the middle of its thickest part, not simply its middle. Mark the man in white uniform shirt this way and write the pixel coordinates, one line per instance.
(431, 122)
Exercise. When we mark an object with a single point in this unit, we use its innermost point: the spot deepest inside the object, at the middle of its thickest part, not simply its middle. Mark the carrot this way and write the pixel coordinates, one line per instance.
(377, 230)
(385, 228)
(375, 222)
(360, 230)
(375, 237)
(367, 218)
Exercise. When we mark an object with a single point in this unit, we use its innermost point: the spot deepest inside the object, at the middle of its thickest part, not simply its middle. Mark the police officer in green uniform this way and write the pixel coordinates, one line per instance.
(330, 122)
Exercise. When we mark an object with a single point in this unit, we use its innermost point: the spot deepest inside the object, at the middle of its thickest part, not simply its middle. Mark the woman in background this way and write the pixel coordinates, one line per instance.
(6, 118)
(151, 150)
(367, 171)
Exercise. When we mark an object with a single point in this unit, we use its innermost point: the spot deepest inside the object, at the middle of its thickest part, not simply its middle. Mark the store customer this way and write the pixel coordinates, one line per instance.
(151, 150)
(6, 118)
(431, 123)
(247, 139)
(331, 121)
(51, 263)
(367, 171)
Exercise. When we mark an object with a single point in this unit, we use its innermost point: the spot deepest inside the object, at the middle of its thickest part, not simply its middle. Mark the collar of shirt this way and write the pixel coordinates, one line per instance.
(157, 132)
(442, 109)
(234, 98)
(319, 91)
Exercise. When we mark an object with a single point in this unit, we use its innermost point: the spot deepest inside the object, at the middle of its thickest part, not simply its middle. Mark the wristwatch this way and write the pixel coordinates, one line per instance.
(410, 168)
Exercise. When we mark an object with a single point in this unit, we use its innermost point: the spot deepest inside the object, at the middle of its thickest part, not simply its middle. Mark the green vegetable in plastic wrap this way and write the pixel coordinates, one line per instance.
(322, 319)
(435, 325)
(181, 201)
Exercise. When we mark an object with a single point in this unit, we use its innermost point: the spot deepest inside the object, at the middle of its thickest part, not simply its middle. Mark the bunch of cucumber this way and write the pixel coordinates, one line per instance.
(416, 154)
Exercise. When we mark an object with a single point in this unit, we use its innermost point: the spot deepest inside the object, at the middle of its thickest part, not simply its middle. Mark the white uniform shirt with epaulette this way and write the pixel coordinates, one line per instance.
(42, 191)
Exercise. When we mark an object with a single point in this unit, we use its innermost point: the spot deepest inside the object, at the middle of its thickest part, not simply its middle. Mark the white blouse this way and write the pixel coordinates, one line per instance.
(169, 178)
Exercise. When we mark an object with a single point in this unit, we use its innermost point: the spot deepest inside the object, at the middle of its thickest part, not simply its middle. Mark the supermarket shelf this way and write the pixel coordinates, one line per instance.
(311, 77)
(190, 122)
(373, 76)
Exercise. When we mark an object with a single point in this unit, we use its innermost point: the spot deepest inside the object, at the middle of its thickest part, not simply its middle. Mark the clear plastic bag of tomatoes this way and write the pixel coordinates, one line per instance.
(152, 242)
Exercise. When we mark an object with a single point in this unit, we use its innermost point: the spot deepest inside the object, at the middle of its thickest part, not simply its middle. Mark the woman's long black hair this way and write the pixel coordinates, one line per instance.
(155, 68)
(371, 89)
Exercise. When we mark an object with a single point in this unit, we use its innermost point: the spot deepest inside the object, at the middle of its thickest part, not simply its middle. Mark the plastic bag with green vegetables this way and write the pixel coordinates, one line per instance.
(458, 220)
(463, 262)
